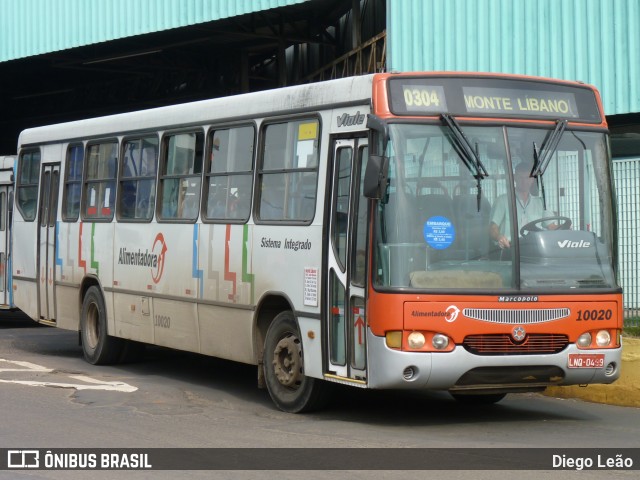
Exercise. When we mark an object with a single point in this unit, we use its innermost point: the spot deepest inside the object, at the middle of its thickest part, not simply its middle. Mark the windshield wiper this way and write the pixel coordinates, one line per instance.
(542, 156)
(469, 155)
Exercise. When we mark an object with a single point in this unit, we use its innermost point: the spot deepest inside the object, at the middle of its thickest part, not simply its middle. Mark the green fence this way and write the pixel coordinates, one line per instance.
(626, 173)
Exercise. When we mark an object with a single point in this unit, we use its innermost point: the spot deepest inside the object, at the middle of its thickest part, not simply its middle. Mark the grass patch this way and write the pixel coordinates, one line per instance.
(631, 332)
(632, 328)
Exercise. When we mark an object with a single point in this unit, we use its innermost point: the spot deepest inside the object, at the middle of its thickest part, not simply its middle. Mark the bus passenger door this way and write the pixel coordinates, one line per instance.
(48, 210)
(6, 196)
(346, 329)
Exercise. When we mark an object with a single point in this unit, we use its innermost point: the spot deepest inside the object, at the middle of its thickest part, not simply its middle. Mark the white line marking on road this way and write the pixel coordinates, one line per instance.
(113, 386)
(29, 367)
(89, 383)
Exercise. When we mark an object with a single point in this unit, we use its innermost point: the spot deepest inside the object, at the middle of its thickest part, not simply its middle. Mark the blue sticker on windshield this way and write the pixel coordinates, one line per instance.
(439, 232)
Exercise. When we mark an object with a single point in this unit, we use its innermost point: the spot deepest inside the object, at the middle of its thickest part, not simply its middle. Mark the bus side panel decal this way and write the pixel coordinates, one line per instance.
(58, 258)
(81, 261)
(212, 274)
(230, 276)
(68, 252)
(197, 273)
(94, 264)
(246, 276)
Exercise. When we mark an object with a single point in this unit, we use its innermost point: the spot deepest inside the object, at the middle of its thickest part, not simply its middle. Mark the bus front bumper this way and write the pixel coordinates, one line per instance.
(462, 371)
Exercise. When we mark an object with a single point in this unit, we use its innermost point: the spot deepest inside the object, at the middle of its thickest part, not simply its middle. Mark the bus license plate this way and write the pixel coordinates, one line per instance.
(579, 360)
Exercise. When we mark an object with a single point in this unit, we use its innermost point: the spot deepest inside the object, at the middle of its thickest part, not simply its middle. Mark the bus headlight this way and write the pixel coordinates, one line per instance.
(439, 341)
(415, 340)
(603, 338)
(584, 340)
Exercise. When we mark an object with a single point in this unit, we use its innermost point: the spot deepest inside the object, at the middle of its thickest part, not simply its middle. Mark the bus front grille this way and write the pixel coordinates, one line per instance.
(517, 316)
(503, 344)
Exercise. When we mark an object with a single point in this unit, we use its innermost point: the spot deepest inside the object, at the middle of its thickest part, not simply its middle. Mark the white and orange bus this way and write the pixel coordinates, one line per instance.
(336, 232)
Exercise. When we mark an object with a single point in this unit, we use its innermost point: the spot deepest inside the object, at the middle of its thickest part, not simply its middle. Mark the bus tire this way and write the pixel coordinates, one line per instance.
(289, 388)
(478, 399)
(98, 346)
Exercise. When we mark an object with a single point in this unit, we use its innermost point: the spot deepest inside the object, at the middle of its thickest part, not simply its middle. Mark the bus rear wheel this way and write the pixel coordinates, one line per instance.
(98, 346)
(290, 389)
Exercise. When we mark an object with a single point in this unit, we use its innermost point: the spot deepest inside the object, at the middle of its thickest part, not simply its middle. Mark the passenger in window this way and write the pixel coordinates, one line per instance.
(270, 205)
(190, 207)
(189, 199)
(128, 202)
(243, 202)
(528, 208)
(215, 147)
(217, 204)
(170, 198)
(234, 206)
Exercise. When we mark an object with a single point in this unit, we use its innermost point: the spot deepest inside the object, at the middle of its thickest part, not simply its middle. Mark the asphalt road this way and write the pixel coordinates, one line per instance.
(51, 399)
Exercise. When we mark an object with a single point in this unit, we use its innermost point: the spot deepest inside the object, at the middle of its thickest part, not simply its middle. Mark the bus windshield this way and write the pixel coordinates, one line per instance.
(493, 218)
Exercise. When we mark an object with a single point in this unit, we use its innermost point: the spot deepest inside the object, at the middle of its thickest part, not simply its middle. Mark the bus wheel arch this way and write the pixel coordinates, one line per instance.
(266, 311)
(98, 346)
(86, 284)
(289, 388)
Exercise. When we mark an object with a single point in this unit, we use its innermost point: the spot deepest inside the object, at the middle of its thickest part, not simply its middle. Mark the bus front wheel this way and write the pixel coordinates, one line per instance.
(287, 384)
(98, 346)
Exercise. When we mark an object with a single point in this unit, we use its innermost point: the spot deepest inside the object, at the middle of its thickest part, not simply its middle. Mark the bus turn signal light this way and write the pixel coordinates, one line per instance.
(394, 339)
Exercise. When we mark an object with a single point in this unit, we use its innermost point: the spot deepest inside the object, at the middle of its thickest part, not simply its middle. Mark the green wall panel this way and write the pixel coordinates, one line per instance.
(33, 27)
(595, 41)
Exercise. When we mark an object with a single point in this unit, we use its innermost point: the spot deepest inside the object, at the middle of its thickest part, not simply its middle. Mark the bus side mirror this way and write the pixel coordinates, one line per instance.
(375, 177)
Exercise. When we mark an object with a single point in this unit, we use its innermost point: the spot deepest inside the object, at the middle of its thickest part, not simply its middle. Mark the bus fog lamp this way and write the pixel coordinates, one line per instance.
(409, 373)
(416, 340)
(440, 342)
(584, 340)
(603, 338)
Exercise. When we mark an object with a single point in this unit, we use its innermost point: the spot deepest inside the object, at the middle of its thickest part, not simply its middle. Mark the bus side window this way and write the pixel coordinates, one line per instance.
(180, 176)
(100, 182)
(27, 187)
(229, 173)
(288, 176)
(138, 179)
(73, 183)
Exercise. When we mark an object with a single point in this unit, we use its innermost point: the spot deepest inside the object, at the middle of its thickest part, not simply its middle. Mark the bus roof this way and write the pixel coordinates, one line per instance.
(322, 95)
(287, 100)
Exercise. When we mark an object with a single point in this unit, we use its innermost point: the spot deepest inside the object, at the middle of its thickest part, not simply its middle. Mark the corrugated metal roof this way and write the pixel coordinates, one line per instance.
(595, 41)
(33, 27)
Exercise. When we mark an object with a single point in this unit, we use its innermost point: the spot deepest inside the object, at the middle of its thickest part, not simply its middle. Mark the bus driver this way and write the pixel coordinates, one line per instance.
(529, 208)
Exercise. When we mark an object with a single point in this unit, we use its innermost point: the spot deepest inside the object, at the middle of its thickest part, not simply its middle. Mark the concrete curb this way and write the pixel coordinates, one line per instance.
(623, 392)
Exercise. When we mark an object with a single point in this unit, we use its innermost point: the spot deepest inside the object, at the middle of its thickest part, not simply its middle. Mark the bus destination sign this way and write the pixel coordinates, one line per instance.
(520, 102)
(492, 97)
